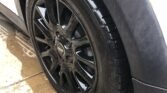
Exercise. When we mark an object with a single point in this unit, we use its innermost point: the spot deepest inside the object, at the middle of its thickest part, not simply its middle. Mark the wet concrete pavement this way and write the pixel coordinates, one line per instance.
(20, 71)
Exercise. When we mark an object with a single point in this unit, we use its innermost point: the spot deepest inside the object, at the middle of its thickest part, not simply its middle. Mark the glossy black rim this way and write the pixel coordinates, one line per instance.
(63, 46)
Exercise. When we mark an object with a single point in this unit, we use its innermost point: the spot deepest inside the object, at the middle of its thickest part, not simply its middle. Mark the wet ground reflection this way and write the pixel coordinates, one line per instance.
(20, 71)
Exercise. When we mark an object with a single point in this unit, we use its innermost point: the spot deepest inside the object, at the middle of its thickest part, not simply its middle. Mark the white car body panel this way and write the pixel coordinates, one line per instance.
(160, 9)
(11, 5)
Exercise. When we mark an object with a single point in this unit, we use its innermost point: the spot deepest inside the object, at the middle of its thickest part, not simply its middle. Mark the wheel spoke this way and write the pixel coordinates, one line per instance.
(53, 67)
(84, 74)
(50, 5)
(71, 26)
(40, 2)
(61, 81)
(41, 40)
(42, 28)
(58, 11)
(87, 62)
(80, 42)
(77, 81)
(55, 62)
(45, 53)
(70, 80)
(42, 12)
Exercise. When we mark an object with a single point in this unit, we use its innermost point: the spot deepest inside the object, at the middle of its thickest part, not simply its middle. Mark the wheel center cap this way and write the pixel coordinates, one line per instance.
(60, 48)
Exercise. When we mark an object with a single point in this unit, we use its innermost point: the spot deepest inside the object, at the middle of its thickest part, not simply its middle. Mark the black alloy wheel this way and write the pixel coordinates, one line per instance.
(73, 50)
(64, 48)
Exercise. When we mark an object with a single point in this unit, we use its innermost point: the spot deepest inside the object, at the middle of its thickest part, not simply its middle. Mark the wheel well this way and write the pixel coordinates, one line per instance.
(23, 8)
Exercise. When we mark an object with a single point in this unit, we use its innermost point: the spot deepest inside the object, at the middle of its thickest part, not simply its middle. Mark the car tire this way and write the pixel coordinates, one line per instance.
(112, 73)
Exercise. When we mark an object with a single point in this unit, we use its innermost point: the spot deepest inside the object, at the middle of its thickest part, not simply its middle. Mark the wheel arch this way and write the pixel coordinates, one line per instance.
(142, 38)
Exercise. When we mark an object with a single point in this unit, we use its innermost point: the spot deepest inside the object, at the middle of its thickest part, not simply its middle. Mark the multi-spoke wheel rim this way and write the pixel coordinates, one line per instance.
(63, 46)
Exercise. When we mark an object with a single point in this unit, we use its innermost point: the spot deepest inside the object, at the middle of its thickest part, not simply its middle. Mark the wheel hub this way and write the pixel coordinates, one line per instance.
(63, 46)
(60, 49)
